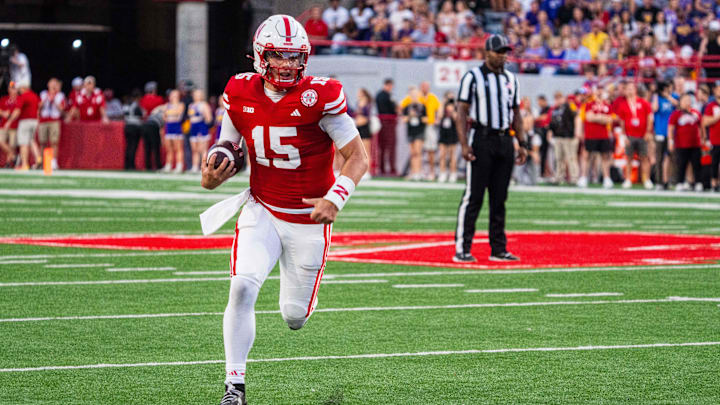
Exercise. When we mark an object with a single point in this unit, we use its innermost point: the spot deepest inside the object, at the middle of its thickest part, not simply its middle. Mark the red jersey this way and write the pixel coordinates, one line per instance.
(316, 28)
(712, 110)
(90, 104)
(687, 128)
(634, 115)
(149, 102)
(594, 130)
(72, 99)
(8, 104)
(291, 157)
(28, 103)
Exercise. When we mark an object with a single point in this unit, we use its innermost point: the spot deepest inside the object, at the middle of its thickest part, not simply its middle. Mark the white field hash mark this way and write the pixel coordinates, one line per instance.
(369, 309)
(503, 290)
(595, 294)
(427, 285)
(125, 269)
(76, 266)
(370, 356)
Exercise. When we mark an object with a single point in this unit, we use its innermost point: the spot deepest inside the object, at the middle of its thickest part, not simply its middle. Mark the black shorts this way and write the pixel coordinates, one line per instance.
(416, 133)
(364, 131)
(635, 144)
(448, 136)
(598, 145)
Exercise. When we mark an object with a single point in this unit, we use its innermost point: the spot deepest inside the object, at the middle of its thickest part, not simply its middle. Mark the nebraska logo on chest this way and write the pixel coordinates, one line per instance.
(309, 98)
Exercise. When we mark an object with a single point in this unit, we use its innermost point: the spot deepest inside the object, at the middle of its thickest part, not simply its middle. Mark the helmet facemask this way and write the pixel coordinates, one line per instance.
(284, 68)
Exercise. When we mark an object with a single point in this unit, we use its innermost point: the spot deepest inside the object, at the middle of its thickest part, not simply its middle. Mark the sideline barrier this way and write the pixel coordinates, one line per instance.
(95, 145)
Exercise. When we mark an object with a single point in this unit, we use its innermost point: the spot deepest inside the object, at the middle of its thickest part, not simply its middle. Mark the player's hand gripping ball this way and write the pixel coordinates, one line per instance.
(230, 150)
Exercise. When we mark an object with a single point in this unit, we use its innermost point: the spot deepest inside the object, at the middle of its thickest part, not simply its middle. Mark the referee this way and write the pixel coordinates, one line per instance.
(488, 101)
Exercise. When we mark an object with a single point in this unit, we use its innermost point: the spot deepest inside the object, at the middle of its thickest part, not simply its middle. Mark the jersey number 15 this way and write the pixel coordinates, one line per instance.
(276, 134)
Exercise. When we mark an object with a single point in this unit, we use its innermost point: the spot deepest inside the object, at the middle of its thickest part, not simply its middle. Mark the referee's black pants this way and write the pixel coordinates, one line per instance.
(491, 170)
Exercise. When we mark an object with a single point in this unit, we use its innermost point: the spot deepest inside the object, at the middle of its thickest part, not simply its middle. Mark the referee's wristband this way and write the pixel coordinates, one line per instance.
(341, 191)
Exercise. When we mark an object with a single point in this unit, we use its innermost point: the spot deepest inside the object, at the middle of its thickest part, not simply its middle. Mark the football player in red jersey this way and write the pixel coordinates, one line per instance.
(291, 124)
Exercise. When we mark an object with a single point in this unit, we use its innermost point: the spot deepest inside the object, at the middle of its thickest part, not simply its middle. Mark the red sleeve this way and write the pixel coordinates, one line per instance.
(615, 108)
(708, 112)
(673, 118)
(333, 97)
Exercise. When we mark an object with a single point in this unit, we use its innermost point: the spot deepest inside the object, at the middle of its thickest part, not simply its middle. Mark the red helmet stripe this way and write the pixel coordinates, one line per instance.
(287, 29)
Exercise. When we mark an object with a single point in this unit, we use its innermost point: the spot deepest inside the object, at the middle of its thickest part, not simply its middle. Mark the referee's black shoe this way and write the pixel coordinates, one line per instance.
(464, 258)
(503, 257)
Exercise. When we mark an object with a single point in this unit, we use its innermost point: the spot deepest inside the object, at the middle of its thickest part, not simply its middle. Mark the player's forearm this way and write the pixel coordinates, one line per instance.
(356, 160)
(461, 122)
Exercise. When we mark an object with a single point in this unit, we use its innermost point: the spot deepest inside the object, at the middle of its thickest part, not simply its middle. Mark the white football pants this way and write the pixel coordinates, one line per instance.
(260, 241)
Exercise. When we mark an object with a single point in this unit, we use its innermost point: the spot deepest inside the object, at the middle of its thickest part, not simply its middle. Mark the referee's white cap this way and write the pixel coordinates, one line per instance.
(497, 43)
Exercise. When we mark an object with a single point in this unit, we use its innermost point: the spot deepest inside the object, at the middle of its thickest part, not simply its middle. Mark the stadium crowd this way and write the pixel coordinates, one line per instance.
(662, 136)
(643, 38)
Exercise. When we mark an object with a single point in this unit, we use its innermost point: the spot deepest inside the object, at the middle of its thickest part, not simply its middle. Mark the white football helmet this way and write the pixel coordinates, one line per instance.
(286, 38)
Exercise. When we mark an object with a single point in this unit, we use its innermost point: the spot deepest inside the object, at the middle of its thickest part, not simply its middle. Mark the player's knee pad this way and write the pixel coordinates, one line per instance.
(294, 315)
(243, 292)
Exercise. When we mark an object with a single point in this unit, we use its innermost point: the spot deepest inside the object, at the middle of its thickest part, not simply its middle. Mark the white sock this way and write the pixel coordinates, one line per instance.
(239, 327)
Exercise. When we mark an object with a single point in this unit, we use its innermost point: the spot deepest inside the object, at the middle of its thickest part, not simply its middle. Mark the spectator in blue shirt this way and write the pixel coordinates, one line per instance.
(425, 33)
(663, 104)
(552, 7)
(575, 53)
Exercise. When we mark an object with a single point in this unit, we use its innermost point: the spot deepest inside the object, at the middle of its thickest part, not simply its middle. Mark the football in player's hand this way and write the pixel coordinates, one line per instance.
(230, 150)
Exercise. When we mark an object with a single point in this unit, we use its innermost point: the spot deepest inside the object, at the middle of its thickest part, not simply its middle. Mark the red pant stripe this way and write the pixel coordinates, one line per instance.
(233, 257)
(326, 235)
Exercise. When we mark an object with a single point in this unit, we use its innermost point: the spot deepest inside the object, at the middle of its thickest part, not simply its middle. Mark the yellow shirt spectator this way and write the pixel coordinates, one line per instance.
(594, 41)
(431, 103)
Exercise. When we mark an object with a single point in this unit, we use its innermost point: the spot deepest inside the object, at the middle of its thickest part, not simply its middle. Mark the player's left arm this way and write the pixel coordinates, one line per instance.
(342, 130)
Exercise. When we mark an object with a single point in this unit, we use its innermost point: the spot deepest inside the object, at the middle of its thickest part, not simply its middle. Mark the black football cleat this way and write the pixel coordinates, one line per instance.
(464, 258)
(503, 257)
(234, 395)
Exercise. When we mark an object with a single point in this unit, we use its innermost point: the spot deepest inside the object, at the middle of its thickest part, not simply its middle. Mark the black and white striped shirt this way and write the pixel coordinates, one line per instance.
(491, 96)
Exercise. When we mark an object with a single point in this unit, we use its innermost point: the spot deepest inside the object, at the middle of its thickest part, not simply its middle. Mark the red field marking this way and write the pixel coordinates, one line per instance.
(536, 249)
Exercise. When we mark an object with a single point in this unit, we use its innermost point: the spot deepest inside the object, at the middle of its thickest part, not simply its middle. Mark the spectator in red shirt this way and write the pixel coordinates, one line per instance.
(315, 27)
(77, 84)
(90, 103)
(26, 114)
(684, 139)
(150, 99)
(636, 118)
(595, 119)
(711, 121)
(8, 135)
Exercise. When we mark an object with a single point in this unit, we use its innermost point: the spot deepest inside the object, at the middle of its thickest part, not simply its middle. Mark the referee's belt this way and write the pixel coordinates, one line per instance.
(482, 130)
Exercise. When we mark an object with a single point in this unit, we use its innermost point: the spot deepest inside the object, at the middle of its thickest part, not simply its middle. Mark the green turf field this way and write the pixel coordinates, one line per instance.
(146, 327)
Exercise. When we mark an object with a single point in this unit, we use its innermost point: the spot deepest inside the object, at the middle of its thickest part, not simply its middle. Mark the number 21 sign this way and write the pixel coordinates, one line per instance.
(448, 74)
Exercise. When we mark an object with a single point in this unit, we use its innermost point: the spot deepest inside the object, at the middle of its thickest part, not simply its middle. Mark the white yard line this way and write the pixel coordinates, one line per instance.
(694, 299)
(370, 356)
(323, 282)
(364, 275)
(76, 266)
(205, 273)
(427, 285)
(125, 269)
(162, 280)
(672, 247)
(393, 248)
(23, 262)
(124, 254)
(672, 300)
(574, 295)
(503, 290)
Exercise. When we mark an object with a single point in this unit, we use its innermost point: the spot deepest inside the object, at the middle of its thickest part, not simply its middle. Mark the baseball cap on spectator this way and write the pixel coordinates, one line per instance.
(78, 81)
(714, 25)
(150, 87)
(497, 43)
